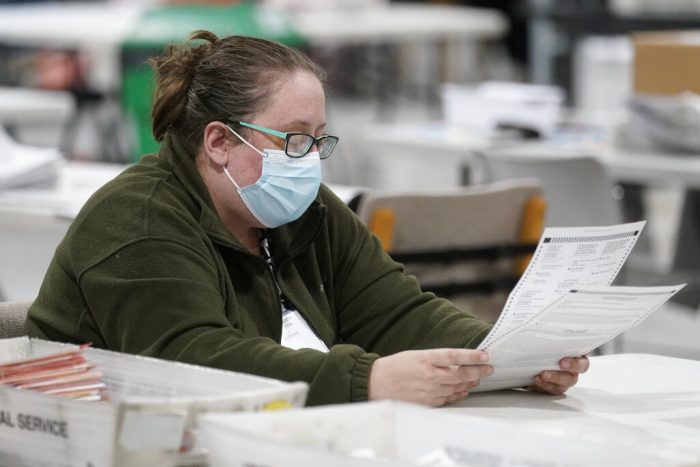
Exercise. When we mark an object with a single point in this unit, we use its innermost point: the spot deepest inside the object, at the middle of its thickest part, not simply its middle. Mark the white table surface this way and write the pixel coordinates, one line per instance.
(398, 22)
(22, 105)
(82, 24)
(637, 397)
(455, 146)
(76, 182)
(67, 25)
(34, 220)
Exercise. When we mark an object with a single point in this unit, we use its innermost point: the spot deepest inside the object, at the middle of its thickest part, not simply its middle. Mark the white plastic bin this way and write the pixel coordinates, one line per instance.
(395, 434)
(151, 420)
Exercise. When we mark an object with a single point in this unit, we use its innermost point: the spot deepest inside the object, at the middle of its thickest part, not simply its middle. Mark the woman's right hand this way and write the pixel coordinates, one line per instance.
(432, 377)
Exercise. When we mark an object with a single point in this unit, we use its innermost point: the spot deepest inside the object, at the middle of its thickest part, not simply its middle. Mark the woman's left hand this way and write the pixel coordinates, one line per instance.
(558, 382)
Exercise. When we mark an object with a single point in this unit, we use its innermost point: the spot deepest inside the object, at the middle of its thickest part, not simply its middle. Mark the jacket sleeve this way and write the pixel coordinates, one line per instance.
(160, 298)
(380, 308)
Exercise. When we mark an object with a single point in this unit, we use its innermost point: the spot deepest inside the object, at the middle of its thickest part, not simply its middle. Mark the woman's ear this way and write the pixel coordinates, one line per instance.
(216, 143)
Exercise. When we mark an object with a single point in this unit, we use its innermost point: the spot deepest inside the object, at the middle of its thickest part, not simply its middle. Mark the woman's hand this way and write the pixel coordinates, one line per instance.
(558, 382)
(432, 377)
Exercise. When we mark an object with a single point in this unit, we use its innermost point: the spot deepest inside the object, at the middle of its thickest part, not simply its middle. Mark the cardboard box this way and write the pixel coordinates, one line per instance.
(151, 420)
(667, 63)
(386, 434)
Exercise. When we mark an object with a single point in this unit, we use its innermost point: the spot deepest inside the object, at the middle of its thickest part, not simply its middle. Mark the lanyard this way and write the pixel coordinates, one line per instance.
(296, 332)
(266, 248)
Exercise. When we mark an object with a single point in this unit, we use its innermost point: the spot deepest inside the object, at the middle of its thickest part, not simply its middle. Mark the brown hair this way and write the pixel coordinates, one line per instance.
(227, 79)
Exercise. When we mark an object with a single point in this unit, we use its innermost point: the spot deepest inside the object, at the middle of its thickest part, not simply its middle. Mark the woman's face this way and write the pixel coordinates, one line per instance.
(298, 104)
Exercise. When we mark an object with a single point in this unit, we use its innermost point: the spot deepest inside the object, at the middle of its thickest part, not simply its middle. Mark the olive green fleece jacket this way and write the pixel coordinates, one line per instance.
(148, 268)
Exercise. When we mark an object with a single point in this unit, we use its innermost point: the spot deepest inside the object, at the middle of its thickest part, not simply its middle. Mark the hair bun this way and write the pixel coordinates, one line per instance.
(175, 70)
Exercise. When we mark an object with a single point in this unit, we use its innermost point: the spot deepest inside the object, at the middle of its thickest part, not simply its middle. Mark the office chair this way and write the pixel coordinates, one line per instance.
(12, 318)
(577, 189)
(469, 245)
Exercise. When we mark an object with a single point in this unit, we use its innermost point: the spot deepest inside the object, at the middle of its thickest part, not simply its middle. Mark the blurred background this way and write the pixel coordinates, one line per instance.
(424, 95)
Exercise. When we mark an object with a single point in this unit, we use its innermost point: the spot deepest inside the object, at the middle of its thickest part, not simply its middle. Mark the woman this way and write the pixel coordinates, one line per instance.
(224, 249)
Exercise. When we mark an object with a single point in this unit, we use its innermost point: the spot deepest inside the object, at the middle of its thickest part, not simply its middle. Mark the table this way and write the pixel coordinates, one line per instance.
(101, 28)
(396, 22)
(639, 398)
(409, 26)
(450, 148)
(625, 165)
(31, 106)
(34, 221)
(96, 30)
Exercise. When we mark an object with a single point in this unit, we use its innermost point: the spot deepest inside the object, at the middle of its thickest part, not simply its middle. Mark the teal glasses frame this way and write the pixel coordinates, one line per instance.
(297, 145)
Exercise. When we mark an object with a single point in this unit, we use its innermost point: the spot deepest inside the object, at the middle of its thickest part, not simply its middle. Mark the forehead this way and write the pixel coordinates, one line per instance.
(297, 96)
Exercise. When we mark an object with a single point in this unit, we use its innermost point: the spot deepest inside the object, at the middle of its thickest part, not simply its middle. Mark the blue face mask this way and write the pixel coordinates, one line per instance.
(285, 189)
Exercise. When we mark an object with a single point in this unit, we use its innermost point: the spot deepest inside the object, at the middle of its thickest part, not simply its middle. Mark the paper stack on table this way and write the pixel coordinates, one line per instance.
(22, 165)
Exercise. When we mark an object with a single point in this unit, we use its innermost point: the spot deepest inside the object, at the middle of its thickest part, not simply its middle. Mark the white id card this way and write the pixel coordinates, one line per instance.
(296, 333)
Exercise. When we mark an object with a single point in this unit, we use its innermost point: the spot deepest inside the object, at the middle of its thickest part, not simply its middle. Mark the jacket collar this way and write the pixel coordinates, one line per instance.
(289, 238)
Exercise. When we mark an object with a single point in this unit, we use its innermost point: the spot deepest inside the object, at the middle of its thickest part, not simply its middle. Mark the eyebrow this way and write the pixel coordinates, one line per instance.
(303, 123)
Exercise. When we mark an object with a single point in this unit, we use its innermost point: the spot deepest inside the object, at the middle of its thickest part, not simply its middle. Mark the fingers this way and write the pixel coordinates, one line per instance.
(458, 396)
(454, 393)
(456, 357)
(554, 382)
(463, 387)
(431, 377)
(575, 364)
(462, 374)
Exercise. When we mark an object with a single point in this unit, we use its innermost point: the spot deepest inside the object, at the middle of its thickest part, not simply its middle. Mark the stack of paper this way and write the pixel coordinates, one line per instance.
(66, 374)
(22, 165)
(494, 104)
(670, 124)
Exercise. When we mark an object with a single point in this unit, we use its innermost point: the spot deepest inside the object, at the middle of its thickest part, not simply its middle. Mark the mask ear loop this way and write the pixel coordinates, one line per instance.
(247, 144)
(231, 178)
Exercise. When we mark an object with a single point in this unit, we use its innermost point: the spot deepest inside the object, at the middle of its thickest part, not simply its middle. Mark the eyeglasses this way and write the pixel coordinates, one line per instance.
(299, 144)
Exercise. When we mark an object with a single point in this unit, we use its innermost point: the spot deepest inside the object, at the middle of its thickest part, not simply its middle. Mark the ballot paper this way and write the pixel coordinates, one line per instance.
(564, 306)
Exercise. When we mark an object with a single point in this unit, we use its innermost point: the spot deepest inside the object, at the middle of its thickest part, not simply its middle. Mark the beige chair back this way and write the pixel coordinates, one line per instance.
(464, 244)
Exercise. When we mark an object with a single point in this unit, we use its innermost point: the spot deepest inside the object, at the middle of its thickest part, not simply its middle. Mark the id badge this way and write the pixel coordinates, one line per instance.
(296, 333)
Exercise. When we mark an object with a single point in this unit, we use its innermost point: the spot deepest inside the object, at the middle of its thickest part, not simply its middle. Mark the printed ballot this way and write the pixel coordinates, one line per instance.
(564, 305)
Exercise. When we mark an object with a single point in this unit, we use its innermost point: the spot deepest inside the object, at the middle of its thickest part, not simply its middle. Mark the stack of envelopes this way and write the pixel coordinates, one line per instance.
(66, 374)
